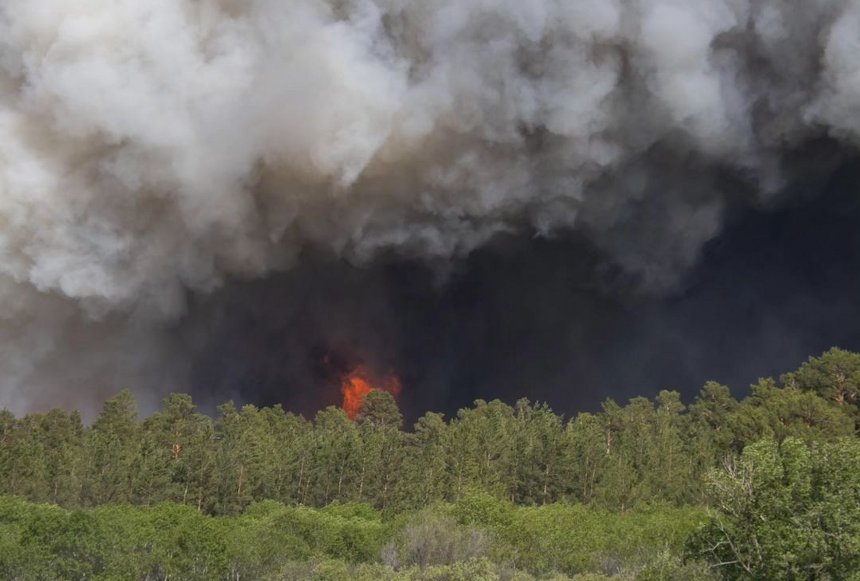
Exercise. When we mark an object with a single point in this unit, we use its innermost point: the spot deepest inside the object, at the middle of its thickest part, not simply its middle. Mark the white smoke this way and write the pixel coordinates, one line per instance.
(153, 149)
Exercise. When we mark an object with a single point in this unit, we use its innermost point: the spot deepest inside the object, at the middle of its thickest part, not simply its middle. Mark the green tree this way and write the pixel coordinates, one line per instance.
(334, 470)
(63, 445)
(379, 409)
(586, 456)
(111, 451)
(250, 456)
(289, 435)
(23, 458)
(538, 466)
(425, 477)
(785, 511)
(711, 431)
(480, 446)
(671, 467)
(381, 450)
(183, 444)
(771, 411)
(835, 376)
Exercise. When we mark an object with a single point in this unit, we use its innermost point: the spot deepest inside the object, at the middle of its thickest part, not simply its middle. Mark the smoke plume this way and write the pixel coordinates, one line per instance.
(158, 157)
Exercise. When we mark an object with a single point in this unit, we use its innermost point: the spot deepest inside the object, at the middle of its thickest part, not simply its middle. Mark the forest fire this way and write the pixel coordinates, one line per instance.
(358, 383)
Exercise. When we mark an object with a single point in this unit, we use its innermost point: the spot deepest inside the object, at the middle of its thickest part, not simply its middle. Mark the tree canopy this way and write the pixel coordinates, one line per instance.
(779, 470)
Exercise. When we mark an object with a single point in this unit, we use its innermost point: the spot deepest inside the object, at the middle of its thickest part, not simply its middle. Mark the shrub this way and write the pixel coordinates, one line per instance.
(435, 539)
(786, 511)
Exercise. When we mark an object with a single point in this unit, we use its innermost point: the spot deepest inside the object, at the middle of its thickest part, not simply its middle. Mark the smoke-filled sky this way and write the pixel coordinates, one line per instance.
(559, 199)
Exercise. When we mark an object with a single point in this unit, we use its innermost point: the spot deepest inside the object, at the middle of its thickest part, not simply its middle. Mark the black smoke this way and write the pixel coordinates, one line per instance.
(558, 199)
(551, 319)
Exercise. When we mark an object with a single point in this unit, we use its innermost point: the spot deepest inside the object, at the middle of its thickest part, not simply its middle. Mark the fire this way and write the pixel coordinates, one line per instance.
(358, 383)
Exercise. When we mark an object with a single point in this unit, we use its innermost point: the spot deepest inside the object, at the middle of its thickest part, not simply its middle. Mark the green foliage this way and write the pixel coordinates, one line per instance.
(498, 490)
(480, 508)
(425, 476)
(779, 413)
(834, 376)
(343, 541)
(786, 511)
(379, 409)
(351, 535)
(573, 538)
(112, 453)
(624, 456)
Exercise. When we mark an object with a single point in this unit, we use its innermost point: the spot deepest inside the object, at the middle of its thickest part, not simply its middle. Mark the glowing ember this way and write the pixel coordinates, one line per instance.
(357, 384)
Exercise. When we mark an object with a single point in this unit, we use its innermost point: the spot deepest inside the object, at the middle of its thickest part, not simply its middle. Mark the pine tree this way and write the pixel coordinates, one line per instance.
(381, 456)
(586, 456)
(188, 439)
(111, 452)
(537, 463)
(426, 476)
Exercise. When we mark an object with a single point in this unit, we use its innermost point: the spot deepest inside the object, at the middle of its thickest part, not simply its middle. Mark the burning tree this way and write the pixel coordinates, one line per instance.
(357, 384)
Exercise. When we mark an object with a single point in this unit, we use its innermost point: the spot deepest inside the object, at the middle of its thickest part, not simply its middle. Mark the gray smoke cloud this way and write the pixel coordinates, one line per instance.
(151, 151)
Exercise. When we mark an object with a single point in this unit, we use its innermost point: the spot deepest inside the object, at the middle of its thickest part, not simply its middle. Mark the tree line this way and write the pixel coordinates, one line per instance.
(767, 487)
(625, 455)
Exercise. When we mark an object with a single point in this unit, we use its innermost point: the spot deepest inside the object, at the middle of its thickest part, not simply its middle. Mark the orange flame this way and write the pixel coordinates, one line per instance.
(358, 383)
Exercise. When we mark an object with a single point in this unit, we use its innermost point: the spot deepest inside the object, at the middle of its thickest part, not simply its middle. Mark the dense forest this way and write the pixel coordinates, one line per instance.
(767, 487)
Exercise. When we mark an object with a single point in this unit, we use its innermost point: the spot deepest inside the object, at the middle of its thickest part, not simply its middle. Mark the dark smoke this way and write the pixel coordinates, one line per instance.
(560, 199)
(551, 319)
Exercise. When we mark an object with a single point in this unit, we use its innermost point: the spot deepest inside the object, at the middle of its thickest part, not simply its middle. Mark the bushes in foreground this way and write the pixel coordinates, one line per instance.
(476, 538)
(787, 510)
